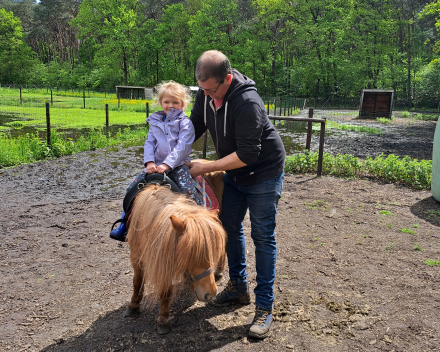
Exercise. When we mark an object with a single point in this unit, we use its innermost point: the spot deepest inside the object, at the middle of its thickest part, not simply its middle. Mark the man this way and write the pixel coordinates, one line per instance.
(251, 152)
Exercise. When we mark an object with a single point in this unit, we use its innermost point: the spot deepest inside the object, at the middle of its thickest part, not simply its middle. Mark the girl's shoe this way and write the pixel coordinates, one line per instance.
(120, 233)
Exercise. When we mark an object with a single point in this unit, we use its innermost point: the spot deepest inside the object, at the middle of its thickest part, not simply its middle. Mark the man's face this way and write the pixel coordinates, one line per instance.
(214, 89)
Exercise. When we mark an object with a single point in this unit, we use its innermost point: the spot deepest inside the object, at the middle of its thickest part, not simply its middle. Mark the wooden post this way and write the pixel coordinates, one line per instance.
(309, 130)
(84, 98)
(321, 148)
(106, 118)
(147, 108)
(274, 109)
(51, 97)
(280, 106)
(268, 106)
(48, 125)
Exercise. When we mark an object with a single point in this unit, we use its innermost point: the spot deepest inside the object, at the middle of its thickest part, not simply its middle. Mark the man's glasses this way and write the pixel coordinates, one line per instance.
(212, 91)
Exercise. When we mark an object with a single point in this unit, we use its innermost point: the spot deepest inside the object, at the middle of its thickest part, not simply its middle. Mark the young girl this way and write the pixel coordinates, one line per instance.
(168, 145)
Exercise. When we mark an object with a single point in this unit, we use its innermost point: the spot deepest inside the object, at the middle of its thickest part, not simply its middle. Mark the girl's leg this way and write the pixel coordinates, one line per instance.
(182, 177)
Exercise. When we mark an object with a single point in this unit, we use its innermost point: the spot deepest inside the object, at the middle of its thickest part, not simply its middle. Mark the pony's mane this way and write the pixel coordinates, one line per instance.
(156, 247)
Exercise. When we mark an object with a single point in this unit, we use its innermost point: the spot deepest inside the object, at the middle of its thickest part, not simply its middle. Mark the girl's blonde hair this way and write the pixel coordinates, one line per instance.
(175, 90)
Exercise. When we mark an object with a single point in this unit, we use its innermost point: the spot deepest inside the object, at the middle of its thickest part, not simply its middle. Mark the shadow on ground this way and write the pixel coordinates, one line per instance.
(191, 330)
(427, 209)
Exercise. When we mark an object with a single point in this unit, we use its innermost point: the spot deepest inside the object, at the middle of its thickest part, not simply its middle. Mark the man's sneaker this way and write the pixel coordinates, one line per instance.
(120, 233)
(261, 325)
(233, 293)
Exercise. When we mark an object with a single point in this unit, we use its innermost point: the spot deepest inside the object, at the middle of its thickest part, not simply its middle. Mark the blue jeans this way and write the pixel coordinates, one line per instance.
(262, 200)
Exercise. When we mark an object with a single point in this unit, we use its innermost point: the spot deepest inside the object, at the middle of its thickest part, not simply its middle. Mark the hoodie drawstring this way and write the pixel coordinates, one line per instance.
(204, 116)
(226, 112)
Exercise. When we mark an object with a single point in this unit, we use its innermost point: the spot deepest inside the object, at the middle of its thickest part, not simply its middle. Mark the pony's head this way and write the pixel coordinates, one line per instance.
(172, 239)
(198, 251)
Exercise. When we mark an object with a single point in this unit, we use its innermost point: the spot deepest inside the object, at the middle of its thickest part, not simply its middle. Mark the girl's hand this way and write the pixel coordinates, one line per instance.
(151, 168)
(162, 168)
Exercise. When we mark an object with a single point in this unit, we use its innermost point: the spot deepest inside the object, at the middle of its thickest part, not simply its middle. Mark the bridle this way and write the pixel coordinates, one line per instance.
(198, 277)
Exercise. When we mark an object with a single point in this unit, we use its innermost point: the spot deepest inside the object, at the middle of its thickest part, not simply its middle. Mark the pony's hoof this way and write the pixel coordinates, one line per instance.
(163, 329)
(131, 312)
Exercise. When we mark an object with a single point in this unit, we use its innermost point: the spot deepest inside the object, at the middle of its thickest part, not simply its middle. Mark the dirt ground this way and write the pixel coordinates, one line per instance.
(350, 273)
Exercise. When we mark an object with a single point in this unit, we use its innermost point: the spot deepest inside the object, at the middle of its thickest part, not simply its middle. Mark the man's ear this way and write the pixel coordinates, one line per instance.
(229, 78)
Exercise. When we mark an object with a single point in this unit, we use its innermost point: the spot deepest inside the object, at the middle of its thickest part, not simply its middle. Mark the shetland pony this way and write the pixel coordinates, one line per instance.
(171, 240)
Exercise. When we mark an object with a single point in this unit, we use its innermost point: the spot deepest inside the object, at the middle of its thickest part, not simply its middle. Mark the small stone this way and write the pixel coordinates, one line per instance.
(291, 347)
(387, 339)
(245, 340)
(79, 322)
(372, 342)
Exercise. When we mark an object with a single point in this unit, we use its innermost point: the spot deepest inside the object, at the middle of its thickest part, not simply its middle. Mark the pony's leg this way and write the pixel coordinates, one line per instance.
(163, 320)
(138, 292)
(218, 274)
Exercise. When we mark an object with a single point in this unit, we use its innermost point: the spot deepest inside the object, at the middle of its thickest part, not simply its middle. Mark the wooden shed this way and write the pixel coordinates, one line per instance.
(131, 92)
(376, 103)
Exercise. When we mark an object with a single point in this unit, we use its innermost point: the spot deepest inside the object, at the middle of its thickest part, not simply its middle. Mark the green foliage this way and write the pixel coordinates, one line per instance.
(15, 54)
(417, 247)
(29, 148)
(431, 262)
(406, 230)
(405, 114)
(392, 168)
(384, 119)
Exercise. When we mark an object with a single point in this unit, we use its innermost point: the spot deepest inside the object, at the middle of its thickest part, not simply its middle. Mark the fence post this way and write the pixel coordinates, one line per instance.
(309, 130)
(84, 98)
(51, 97)
(106, 118)
(321, 148)
(20, 97)
(148, 108)
(280, 106)
(48, 125)
(268, 105)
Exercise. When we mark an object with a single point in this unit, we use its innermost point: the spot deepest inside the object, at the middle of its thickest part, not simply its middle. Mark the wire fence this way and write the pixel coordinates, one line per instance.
(24, 110)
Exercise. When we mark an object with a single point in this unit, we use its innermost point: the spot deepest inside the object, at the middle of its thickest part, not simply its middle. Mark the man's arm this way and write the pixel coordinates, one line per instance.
(229, 162)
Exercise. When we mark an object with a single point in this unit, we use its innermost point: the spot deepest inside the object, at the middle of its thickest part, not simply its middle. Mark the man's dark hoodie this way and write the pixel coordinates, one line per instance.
(241, 125)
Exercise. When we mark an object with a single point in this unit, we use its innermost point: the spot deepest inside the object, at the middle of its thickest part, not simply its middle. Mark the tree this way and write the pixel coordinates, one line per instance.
(114, 26)
(15, 55)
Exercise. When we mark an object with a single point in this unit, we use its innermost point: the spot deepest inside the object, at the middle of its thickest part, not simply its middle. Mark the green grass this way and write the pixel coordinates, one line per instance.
(386, 212)
(392, 168)
(406, 230)
(384, 119)
(29, 148)
(405, 114)
(431, 262)
(427, 117)
(417, 247)
(345, 127)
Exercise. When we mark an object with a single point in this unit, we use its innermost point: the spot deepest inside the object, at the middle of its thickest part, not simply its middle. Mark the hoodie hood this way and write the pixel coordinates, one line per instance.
(240, 84)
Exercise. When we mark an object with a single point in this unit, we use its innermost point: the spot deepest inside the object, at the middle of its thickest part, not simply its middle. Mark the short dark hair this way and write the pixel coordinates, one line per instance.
(212, 63)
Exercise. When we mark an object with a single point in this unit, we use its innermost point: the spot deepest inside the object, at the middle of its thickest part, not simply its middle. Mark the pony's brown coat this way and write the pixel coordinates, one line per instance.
(161, 253)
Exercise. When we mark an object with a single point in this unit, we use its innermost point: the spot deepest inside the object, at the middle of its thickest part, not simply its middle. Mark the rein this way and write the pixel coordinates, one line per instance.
(198, 277)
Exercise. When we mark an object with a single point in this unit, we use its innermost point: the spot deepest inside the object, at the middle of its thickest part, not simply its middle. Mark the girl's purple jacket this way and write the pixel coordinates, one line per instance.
(169, 142)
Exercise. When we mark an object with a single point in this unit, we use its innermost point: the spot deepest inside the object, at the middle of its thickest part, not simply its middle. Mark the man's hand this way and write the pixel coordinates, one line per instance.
(151, 168)
(196, 169)
(162, 168)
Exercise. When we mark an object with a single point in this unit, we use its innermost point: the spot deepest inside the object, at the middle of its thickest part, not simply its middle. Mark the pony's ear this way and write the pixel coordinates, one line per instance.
(215, 212)
(178, 225)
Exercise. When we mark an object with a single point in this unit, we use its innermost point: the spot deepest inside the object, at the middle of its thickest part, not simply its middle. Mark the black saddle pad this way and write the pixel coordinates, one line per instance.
(159, 179)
